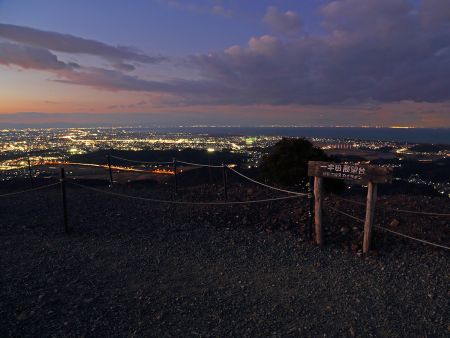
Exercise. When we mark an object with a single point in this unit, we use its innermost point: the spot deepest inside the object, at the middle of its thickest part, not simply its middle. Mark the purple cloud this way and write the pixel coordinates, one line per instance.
(124, 66)
(286, 23)
(371, 51)
(72, 44)
(29, 57)
(435, 12)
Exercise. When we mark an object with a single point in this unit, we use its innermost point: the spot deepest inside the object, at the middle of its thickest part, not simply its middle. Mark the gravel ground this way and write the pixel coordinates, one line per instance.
(132, 268)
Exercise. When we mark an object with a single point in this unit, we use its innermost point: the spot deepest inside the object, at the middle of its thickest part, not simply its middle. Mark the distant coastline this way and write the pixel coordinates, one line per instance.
(410, 135)
(395, 134)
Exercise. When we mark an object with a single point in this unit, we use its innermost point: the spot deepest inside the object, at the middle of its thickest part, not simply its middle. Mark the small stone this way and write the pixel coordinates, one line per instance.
(344, 230)
(352, 332)
(395, 222)
(22, 316)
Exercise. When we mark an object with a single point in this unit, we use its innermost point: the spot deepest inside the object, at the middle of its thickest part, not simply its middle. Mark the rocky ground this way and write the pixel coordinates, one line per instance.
(134, 268)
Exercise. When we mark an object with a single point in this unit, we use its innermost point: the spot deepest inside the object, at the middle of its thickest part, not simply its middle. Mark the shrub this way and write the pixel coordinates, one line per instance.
(287, 163)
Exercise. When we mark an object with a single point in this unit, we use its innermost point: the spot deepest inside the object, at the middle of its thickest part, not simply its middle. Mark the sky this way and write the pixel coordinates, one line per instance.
(235, 62)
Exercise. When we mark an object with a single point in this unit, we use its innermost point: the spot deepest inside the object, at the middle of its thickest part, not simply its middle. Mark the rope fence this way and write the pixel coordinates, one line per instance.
(346, 214)
(267, 186)
(199, 164)
(181, 202)
(418, 212)
(131, 170)
(29, 190)
(142, 162)
(426, 213)
(291, 194)
(389, 230)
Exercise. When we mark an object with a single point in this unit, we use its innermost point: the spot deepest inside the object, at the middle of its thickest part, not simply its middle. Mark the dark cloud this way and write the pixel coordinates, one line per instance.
(73, 44)
(287, 23)
(124, 67)
(185, 91)
(435, 12)
(373, 50)
(29, 57)
(109, 79)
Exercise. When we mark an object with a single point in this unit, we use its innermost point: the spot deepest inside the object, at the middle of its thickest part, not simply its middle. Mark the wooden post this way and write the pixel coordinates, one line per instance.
(224, 176)
(110, 171)
(175, 175)
(370, 211)
(318, 184)
(209, 168)
(30, 174)
(64, 200)
(311, 208)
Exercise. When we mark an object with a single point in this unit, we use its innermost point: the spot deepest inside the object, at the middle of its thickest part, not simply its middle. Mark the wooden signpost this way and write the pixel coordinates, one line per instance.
(360, 173)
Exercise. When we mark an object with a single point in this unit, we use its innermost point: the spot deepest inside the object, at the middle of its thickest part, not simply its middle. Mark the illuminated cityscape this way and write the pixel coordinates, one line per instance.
(44, 146)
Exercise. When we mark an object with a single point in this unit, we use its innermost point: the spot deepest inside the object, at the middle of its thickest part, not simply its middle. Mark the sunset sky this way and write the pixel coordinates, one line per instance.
(235, 62)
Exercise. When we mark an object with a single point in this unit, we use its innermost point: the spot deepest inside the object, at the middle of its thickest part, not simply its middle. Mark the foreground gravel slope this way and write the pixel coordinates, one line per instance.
(135, 269)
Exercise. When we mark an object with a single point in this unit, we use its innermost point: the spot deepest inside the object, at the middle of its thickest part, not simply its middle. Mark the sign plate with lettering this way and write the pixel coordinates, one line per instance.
(362, 173)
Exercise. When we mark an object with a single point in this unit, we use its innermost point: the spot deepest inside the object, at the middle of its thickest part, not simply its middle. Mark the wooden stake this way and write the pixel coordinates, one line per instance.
(64, 200)
(318, 184)
(370, 213)
(110, 171)
(224, 174)
(30, 173)
(175, 175)
(209, 169)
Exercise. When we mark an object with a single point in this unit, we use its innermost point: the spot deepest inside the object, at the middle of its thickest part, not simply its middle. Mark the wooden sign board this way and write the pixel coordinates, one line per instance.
(362, 173)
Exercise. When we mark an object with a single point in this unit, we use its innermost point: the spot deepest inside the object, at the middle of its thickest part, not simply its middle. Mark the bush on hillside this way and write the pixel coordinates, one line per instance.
(287, 164)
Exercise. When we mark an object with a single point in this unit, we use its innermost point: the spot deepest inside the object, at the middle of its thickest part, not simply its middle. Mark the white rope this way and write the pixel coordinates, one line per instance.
(392, 231)
(29, 190)
(200, 165)
(183, 162)
(417, 212)
(144, 162)
(348, 200)
(268, 186)
(395, 209)
(344, 213)
(136, 170)
(413, 238)
(181, 202)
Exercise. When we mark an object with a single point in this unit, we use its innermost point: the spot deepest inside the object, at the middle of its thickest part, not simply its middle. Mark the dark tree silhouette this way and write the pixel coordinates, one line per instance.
(287, 164)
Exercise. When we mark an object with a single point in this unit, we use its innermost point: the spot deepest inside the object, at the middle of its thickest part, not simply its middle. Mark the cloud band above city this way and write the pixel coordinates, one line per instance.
(370, 55)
